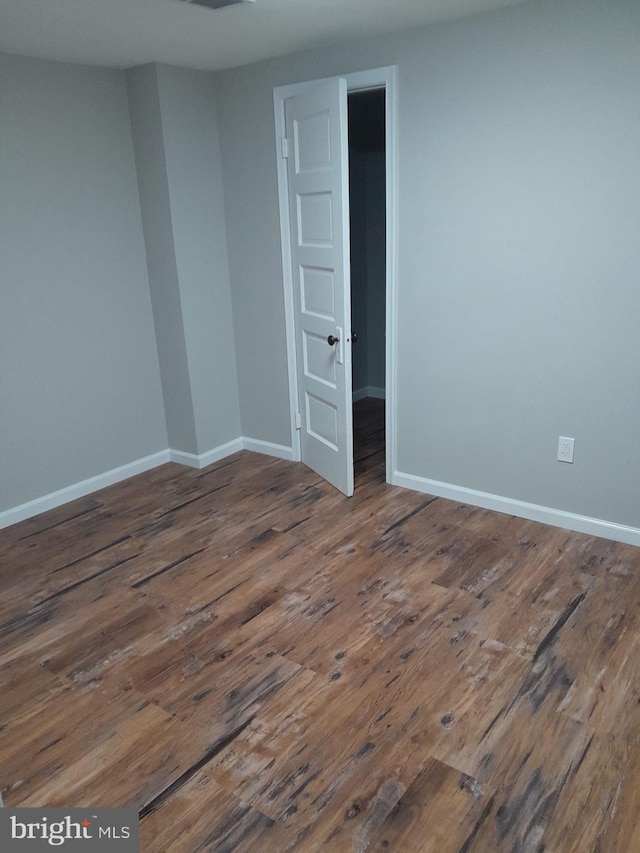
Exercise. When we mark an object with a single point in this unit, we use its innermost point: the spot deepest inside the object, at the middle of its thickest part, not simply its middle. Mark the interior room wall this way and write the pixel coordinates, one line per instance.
(80, 389)
(173, 114)
(518, 256)
(194, 172)
(153, 184)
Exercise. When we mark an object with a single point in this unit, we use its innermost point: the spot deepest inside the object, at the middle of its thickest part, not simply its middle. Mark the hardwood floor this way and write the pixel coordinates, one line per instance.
(259, 664)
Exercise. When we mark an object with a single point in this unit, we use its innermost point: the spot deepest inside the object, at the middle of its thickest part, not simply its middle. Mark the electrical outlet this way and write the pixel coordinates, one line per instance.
(565, 449)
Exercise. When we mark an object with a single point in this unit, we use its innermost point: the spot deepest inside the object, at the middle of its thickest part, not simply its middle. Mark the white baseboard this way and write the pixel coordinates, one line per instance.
(209, 457)
(369, 391)
(268, 448)
(486, 500)
(79, 490)
(533, 512)
(101, 481)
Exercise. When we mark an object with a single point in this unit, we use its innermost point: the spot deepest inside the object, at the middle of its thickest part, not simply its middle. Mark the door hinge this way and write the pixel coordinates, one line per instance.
(285, 147)
(298, 421)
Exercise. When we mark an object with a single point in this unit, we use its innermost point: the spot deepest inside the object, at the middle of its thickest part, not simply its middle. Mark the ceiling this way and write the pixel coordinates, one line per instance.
(123, 33)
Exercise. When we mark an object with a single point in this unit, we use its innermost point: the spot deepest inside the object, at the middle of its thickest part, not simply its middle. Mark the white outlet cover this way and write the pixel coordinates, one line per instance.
(565, 449)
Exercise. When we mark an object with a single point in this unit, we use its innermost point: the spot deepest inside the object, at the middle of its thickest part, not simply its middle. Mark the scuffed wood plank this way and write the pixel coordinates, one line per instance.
(203, 816)
(438, 813)
(56, 731)
(600, 804)
(527, 760)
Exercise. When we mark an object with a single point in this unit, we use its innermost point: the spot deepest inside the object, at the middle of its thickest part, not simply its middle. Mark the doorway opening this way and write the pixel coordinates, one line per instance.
(312, 145)
(367, 225)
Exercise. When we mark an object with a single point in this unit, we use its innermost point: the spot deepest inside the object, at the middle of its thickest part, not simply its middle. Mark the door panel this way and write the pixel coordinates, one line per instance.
(317, 292)
(319, 360)
(317, 169)
(322, 418)
(315, 220)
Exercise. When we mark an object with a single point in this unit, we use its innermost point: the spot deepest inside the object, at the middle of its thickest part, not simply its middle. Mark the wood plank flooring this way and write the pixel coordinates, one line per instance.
(256, 663)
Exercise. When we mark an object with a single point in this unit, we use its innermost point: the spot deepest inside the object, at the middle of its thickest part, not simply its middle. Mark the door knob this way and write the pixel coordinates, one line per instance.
(332, 341)
(354, 337)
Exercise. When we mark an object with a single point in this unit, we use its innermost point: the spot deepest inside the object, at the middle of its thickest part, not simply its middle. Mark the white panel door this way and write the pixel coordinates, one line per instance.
(318, 178)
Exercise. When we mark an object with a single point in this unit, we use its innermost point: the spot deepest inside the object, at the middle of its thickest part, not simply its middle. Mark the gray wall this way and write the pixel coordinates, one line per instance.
(519, 256)
(153, 184)
(79, 380)
(248, 151)
(173, 116)
(194, 173)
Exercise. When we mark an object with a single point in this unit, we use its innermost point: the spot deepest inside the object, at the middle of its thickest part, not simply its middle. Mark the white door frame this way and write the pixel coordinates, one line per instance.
(377, 78)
